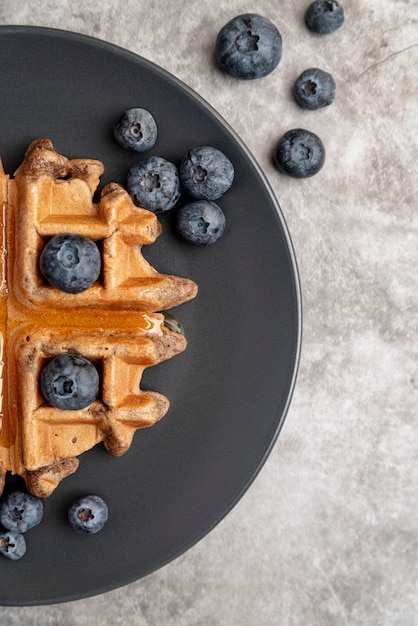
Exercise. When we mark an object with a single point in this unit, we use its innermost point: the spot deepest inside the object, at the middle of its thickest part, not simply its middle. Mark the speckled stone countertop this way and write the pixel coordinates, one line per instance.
(328, 532)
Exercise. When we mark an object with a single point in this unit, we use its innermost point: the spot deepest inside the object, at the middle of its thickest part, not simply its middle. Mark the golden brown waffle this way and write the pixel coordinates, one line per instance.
(114, 323)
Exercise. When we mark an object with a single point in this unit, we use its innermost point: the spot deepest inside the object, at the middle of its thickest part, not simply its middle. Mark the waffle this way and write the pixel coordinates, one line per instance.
(116, 323)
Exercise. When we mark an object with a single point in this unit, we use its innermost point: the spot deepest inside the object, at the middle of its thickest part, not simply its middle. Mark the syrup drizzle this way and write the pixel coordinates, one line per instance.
(3, 277)
(154, 324)
(1, 379)
(3, 252)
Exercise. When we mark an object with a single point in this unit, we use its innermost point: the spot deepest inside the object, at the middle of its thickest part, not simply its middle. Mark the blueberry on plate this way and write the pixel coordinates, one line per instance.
(12, 545)
(172, 323)
(314, 89)
(201, 222)
(154, 184)
(324, 16)
(299, 153)
(248, 47)
(136, 130)
(88, 514)
(69, 382)
(71, 263)
(206, 173)
(20, 511)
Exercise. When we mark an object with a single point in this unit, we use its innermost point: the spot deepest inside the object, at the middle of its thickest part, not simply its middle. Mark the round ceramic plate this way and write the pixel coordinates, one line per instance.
(229, 391)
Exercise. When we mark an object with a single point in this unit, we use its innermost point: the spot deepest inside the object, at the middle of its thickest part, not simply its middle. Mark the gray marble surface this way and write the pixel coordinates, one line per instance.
(328, 532)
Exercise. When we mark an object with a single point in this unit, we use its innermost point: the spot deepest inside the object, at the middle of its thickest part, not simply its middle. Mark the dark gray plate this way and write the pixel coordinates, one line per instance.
(229, 391)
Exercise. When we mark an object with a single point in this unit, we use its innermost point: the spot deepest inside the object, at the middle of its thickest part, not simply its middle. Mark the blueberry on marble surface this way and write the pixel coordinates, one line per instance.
(314, 89)
(206, 173)
(136, 130)
(69, 382)
(20, 511)
(154, 184)
(248, 47)
(12, 545)
(299, 153)
(70, 262)
(201, 223)
(324, 16)
(88, 514)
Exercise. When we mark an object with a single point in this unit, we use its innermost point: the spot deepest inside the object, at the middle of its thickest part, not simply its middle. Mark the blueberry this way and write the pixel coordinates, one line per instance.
(70, 382)
(172, 323)
(12, 545)
(324, 16)
(154, 184)
(248, 47)
(70, 262)
(88, 514)
(300, 153)
(314, 89)
(201, 222)
(20, 511)
(136, 130)
(206, 173)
